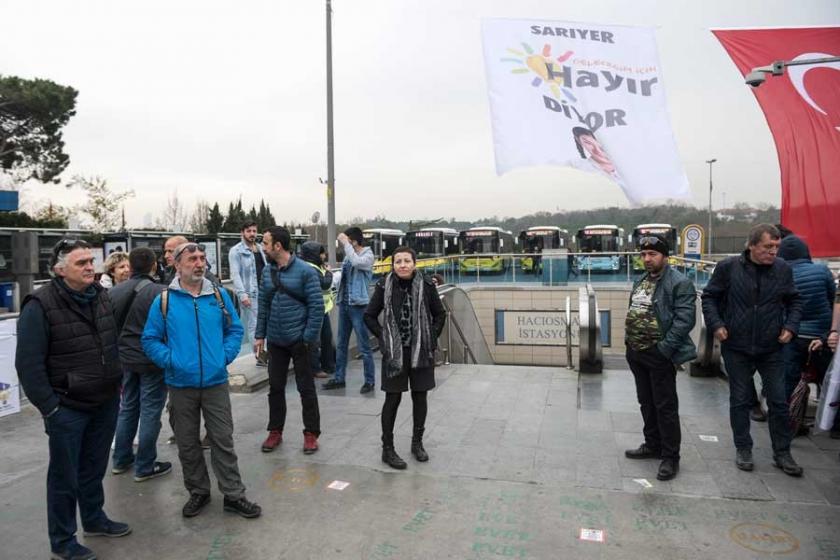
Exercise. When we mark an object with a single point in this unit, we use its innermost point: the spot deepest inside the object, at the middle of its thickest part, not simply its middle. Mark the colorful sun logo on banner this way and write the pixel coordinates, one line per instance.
(540, 64)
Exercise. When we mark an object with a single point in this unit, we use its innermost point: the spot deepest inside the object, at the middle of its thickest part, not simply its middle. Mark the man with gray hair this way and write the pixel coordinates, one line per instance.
(753, 308)
(69, 367)
(193, 333)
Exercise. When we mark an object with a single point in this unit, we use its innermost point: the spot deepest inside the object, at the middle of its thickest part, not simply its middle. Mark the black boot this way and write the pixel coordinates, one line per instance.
(389, 456)
(417, 445)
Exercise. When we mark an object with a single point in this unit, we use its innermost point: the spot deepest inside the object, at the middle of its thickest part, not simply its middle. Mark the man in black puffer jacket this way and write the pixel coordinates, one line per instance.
(752, 307)
(69, 367)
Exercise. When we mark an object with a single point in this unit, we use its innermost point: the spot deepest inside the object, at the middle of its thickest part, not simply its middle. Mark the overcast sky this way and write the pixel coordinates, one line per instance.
(221, 99)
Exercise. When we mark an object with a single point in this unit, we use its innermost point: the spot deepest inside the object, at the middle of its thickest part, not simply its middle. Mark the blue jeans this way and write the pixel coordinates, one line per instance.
(143, 397)
(740, 369)
(319, 358)
(351, 318)
(79, 446)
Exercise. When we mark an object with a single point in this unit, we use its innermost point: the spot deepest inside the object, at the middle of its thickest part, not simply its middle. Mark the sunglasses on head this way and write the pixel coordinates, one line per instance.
(649, 241)
(188, 248)
(67, 245)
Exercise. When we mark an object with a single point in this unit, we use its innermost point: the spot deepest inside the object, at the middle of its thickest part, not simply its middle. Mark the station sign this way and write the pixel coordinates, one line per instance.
(542, 327)
(692, 241)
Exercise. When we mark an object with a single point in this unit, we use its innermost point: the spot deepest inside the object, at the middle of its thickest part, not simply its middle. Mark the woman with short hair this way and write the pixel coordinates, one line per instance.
(116, 270)
(413, 320)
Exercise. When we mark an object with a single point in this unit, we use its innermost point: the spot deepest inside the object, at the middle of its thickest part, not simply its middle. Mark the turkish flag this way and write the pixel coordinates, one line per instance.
(802, 108)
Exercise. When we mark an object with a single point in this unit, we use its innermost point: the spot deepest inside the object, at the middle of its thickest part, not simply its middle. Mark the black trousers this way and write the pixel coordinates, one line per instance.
(278, 369)
(656, 389)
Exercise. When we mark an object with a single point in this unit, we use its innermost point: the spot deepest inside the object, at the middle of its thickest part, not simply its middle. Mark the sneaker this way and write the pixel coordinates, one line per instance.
(787, 464)
(73, 551)
(205, 441)
(668, 469)
(274, 439)
(119, 469)
(744, 460)
(366, 388)
(160, 469)
(333, 384)
(310, 443)
(195, 504)
(642, 452)
(111, 529)
(243, 507)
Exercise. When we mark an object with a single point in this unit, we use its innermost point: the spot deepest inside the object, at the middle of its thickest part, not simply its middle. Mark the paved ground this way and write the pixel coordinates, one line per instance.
(522, 459)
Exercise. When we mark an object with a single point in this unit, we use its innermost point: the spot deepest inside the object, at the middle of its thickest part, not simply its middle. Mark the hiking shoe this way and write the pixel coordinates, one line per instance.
(111, 529)
(195, 504)
(73, 551)
(390, 458)
(274, 439)
(119, 469)
(787, 464)
(310, 443)
(366, 388)
(243, 507)
(160, 469)
(744, 459)
(668, 469)
(642, 452)
(333, 384)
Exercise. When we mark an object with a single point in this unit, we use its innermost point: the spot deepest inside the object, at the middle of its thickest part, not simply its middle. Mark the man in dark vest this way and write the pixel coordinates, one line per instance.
(69, 367)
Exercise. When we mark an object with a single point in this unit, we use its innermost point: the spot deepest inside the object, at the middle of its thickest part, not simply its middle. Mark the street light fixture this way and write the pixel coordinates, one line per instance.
(759, 74)
(709, 231)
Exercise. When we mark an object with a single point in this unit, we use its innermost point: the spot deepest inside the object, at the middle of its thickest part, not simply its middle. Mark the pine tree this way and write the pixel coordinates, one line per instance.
(215, 220)
(252, 215)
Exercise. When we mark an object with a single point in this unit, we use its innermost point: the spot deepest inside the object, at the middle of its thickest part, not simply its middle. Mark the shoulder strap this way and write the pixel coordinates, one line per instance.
(220, 300)
(164, 303)
(124, 312)
(278, 285)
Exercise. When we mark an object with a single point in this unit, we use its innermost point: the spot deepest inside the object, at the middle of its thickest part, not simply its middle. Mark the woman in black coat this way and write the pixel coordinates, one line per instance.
(413, 320)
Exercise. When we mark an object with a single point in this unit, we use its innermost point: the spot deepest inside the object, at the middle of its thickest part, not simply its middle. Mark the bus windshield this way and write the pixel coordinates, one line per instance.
(548, 240)
(601, 243)
(426, 243)
(481, 243)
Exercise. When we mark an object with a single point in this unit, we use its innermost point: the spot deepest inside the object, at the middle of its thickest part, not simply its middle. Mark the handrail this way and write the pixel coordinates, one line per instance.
(591, 352)
(460, 332)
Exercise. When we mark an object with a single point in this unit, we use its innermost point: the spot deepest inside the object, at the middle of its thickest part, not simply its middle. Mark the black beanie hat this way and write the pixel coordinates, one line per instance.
(654, 243)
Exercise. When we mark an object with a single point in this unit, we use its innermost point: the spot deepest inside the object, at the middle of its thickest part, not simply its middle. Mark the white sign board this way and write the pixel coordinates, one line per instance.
(692, 241)
(582, 95)
(9, 386)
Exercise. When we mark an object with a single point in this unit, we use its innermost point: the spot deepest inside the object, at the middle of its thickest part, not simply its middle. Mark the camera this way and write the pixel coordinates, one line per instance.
(755, 79)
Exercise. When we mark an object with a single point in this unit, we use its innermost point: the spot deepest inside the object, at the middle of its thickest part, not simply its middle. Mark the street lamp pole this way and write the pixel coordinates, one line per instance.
(331, 234)
(709, 231)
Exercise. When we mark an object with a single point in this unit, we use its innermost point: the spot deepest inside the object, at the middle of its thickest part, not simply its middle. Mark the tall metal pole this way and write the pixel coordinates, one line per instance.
(709, 231)
(331, 233)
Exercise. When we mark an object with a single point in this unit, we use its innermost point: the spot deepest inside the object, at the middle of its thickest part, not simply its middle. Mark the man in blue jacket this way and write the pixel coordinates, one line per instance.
(752, 307)
(291, 310)
(353, 297)
(659, 322)
(816, 287)
(193, 333)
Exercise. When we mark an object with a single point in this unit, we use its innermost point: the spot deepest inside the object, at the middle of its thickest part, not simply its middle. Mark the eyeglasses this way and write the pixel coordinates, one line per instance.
(189, 248)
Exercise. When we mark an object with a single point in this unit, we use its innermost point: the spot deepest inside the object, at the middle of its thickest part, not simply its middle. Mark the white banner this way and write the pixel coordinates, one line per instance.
(9, 389)
(582, 95)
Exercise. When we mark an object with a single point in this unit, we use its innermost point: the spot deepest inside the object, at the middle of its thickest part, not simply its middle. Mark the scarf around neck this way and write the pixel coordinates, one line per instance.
(421, 333)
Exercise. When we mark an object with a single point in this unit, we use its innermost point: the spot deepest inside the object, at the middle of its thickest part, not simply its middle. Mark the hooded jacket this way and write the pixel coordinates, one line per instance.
(292, 314)
(815, 285)
(195, 342)
(310, 253)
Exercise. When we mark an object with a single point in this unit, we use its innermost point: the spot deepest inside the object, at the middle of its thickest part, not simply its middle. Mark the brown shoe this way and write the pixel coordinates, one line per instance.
(274, 439)
(310, 443)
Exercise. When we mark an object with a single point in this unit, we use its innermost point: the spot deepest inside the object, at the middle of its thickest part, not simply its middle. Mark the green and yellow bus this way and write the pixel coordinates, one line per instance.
(538, 238)
(433, 245)
(382, 242)
(489, 245)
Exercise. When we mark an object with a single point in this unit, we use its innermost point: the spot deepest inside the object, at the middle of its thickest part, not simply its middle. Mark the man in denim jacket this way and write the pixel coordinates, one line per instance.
(353, 297)
(247, 261)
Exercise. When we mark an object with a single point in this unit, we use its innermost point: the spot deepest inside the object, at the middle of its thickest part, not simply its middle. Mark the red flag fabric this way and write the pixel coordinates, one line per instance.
(802, 108)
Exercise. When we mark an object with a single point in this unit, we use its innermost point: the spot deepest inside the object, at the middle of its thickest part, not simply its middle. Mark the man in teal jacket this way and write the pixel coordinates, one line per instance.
(660, 318)
(193, 333)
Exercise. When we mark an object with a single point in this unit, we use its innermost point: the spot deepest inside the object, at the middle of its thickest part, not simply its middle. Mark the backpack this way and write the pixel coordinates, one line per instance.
(164, 307)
